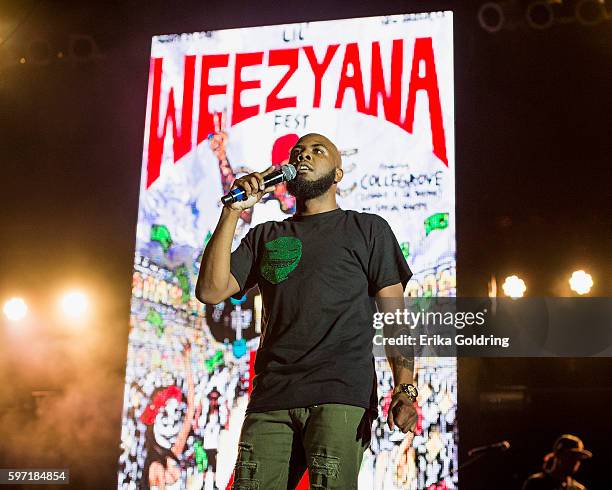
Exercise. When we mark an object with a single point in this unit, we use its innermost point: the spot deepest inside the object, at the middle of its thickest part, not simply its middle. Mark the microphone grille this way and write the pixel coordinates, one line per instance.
(289, 171)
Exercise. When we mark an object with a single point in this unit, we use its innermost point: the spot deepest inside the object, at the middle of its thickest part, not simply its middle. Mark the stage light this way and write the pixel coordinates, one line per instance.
(581, 282)
(74, 304)
(540, 15)
(493, 287)
(514, 287)
(591, 12)
(491, 17)
(15, 309)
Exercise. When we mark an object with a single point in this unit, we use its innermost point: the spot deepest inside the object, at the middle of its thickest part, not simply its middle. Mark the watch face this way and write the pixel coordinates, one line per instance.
(410, 390)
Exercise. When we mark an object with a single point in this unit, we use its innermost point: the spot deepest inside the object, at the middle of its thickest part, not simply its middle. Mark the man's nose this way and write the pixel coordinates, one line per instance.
(304, 156)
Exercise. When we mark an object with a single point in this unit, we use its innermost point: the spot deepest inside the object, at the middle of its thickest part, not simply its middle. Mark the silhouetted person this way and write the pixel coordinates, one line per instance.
(560, 465)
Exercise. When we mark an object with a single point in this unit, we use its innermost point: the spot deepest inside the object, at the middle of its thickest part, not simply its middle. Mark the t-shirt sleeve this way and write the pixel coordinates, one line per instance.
(387, 264)
(243, 264)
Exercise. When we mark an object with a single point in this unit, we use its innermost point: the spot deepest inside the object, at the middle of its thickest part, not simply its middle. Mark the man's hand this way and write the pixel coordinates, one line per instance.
(253, 185)
(402, 414)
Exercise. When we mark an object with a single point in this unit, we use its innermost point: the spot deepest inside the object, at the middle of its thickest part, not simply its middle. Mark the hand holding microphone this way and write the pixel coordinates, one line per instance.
(248, 190)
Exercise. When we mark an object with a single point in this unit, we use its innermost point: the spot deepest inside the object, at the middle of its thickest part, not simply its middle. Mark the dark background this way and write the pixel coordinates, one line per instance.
(533, 198)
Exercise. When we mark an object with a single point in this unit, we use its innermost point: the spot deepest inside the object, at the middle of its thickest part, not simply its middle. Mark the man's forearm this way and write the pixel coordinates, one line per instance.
(401, 359)
(215, 267)
(402, 369)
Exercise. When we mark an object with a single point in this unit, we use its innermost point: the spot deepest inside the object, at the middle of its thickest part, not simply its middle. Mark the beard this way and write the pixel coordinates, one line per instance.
(309, 189)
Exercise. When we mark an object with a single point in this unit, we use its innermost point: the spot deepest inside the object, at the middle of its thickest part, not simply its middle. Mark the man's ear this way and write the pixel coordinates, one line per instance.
(339, 175)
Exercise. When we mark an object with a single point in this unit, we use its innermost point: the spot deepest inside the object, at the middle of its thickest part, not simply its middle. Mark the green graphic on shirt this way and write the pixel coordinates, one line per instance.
(280, 257)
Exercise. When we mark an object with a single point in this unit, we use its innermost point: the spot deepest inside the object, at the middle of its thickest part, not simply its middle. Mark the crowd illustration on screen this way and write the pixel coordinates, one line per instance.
(183, 392)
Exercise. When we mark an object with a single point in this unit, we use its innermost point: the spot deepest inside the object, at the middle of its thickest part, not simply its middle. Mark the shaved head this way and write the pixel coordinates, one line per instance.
(331, 147)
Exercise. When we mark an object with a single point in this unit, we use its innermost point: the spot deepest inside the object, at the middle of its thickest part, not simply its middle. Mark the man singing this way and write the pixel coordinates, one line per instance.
(321, 273)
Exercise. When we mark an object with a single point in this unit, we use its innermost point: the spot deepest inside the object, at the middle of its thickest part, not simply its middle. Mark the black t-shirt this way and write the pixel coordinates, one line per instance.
(543, 481)
(318, 276)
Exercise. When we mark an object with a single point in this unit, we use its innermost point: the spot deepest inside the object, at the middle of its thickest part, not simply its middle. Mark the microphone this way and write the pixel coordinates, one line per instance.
(498, 446)
(477, 453)
(285, 173)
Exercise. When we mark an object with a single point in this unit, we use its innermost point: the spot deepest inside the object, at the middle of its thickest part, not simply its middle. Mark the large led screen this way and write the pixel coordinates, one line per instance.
(224, 103)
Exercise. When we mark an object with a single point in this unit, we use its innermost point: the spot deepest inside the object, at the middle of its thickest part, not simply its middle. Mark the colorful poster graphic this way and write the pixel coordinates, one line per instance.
(225, 103)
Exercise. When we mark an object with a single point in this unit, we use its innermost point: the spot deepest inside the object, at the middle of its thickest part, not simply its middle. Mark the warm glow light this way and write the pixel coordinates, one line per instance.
(15, 309)
(514, 287)
(581, 282)
(74, 304)
(493, 287)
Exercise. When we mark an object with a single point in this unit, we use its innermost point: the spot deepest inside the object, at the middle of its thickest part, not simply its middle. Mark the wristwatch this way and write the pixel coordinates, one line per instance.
(409, 389)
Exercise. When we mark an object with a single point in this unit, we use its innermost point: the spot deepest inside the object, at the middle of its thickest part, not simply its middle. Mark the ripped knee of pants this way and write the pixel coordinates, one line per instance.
(246, 469)
(322, 469)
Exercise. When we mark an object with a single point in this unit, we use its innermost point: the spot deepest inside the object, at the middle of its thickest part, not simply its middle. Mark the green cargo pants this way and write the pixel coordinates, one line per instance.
(276, 447)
